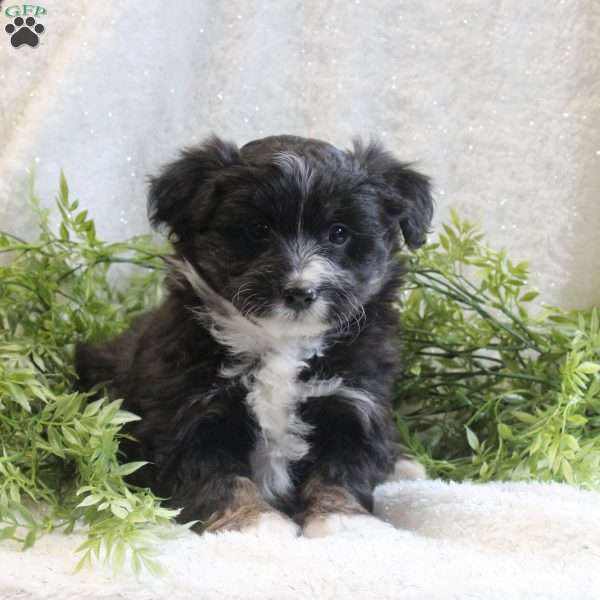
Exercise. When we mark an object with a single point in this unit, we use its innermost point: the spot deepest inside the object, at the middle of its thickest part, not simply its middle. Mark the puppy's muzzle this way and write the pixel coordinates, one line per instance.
(299, 298)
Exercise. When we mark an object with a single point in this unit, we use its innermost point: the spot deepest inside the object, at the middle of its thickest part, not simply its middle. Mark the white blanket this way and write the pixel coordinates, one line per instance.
(498, 540)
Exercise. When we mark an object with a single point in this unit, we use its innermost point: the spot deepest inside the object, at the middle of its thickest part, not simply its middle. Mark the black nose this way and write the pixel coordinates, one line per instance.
(299, 298)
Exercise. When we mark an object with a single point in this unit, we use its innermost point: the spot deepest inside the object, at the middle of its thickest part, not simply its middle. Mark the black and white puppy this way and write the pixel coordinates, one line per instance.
(264, 380)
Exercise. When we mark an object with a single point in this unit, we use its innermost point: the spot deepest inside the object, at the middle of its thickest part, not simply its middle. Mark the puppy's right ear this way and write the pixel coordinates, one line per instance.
(180, 197)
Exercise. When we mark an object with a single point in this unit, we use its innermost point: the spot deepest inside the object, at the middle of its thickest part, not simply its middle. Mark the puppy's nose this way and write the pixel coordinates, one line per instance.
(299, 298)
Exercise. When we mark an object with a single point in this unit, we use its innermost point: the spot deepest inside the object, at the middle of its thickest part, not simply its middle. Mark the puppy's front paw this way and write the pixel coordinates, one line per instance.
(362, 524)
(273, 524)
(257, 520)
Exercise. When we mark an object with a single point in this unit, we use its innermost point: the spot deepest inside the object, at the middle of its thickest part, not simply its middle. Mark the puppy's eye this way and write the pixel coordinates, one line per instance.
(338, 234)
(259, 232)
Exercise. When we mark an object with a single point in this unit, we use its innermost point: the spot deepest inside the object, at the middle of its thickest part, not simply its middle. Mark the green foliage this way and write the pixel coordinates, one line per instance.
(488, 391)
(56, 448)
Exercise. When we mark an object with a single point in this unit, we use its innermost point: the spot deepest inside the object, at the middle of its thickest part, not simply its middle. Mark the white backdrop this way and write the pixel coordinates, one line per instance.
(499, 101)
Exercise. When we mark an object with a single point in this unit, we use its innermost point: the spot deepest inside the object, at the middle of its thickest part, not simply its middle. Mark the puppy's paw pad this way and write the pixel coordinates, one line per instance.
(273, 524)
(363, 525)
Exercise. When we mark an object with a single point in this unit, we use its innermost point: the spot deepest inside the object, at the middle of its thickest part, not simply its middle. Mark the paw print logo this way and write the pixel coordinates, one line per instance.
(24, 32)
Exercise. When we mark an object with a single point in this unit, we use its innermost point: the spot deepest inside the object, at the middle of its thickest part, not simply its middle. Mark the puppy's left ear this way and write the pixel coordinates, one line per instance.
(406, 195)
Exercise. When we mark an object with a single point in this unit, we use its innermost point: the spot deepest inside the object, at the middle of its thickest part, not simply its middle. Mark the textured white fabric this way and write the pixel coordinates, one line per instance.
(498, 101)
(495, 541)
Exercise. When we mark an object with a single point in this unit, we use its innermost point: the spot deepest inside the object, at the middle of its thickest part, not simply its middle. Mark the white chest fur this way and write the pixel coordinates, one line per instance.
(274, 395)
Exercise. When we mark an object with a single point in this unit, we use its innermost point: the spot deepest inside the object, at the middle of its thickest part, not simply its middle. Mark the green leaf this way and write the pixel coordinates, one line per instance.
(68, 406)
(107, 414)
(529, 296)
(131, 467)
(18, 396)
(504, 431)
(70, 437)
(589, 367)
(93, 407)
(567, 471)
(122, 417)
(454, 218)
(64, 232)
(118, 556)
(89, 501)
(153, 566)
(472, 439)
(55, 442)
(81, 217)
(64, 189)
(29, 539)
(118, 511)
(84, 561)
(524, 417)
(8, 532)
(577, 420)
(552, 452)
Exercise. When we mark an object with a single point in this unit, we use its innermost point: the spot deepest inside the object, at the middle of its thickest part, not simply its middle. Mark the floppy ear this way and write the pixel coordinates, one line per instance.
(180, 196)
(407, 194)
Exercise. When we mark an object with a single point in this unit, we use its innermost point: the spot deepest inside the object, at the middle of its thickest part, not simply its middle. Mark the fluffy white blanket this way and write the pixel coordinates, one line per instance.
(499, 540)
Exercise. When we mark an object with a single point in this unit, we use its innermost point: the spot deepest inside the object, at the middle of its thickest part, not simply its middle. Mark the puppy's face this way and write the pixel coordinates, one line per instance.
(294, 232)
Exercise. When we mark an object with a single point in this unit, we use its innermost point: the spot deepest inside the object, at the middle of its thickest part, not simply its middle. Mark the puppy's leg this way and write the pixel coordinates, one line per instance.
(247, 510)
(349, 457)
(234, 503)
(331, 508)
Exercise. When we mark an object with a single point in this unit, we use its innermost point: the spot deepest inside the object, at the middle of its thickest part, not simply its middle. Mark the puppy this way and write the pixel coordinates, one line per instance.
(264, 380)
